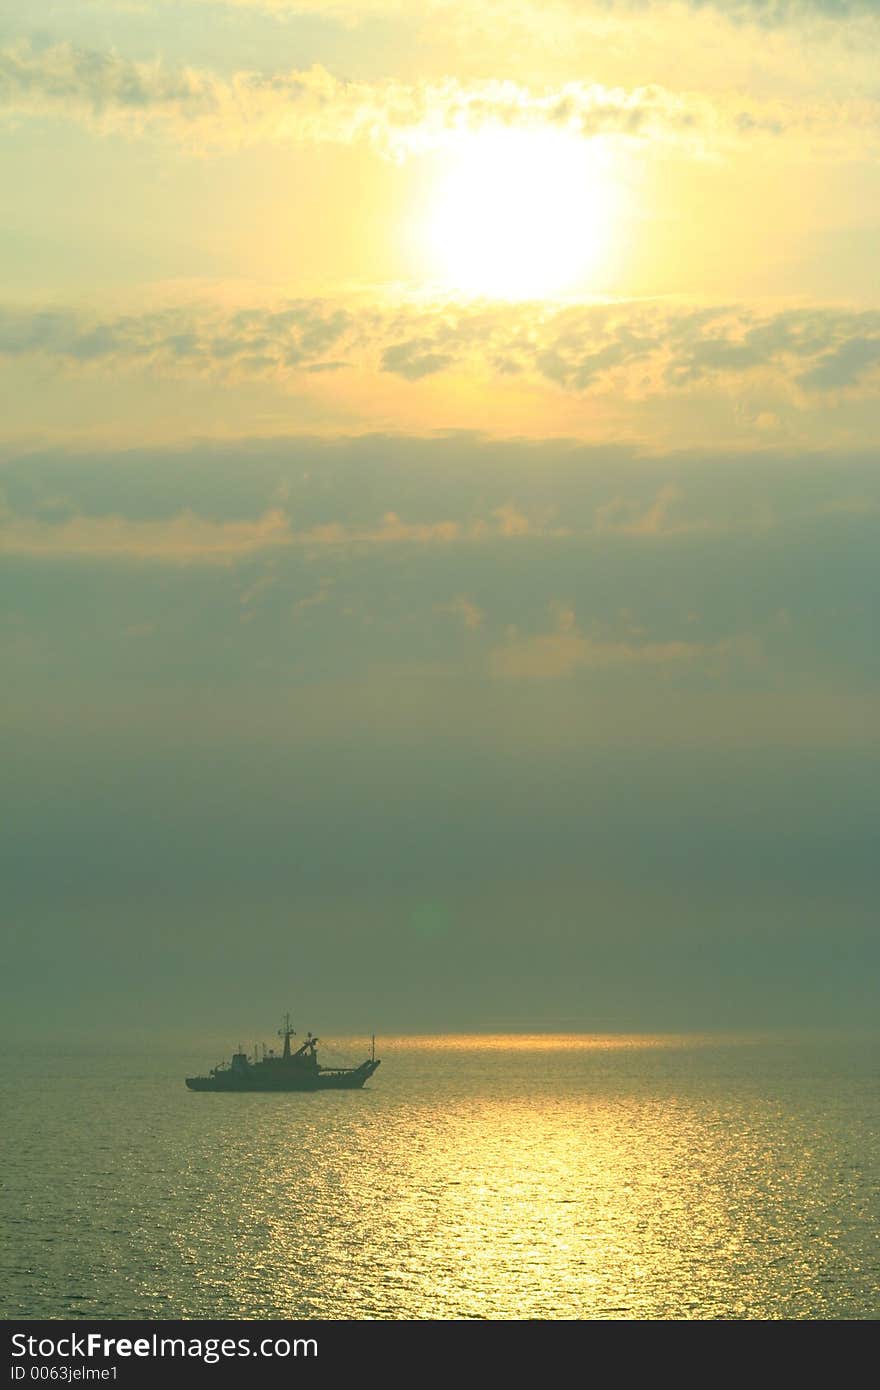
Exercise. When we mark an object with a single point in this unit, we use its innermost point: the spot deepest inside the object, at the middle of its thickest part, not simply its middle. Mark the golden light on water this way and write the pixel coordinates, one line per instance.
(525, 1177)
(500, 1177)
(553, 1042)
(519, 214)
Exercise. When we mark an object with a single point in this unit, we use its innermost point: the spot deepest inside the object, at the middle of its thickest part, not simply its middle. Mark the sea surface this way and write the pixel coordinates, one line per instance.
(543, 1178)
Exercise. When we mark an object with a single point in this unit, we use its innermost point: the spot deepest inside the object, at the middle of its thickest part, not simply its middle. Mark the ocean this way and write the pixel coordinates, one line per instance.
(546, 1177)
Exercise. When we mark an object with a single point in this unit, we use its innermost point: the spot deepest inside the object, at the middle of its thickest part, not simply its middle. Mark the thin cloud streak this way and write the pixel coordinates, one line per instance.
(207, 111)
(638, 348)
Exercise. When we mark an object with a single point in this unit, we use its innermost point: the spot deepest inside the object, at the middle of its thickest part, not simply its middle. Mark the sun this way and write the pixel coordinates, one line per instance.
(519, 214)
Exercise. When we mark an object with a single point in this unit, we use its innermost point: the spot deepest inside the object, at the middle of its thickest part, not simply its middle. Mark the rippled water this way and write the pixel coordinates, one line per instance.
(472, 1178)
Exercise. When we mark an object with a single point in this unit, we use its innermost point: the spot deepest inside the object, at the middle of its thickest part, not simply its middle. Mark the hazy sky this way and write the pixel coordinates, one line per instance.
(439, 513)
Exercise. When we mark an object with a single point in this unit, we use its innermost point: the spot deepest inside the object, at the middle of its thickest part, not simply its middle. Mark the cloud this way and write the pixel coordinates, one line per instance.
(764, 12)
(635, 350)
(845, 366)
(547, 656)
(624, 517)
(208, 111)
(415, 359)
(391, 529)
(188, 537)
(184, 538)
(462, 608)
(312, 105)
(196, 338)
(438, 559)
(512, 522)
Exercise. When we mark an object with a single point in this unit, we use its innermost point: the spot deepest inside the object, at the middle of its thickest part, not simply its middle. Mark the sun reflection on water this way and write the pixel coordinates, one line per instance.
(556, 1042)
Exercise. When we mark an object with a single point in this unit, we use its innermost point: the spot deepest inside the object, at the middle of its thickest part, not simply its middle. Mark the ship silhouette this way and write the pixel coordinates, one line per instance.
(297, 1070)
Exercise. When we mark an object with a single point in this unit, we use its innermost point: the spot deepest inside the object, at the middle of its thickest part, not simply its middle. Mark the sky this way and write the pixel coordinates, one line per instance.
(439, 511)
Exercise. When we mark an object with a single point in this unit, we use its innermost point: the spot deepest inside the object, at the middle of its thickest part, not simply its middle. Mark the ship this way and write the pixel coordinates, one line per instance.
(294, 1070)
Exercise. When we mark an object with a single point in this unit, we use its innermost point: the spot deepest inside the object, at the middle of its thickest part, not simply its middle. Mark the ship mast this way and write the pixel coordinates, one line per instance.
(285, 1033)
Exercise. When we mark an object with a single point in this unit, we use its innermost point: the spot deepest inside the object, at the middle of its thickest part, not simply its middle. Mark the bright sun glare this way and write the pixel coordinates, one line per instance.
(519, 214)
